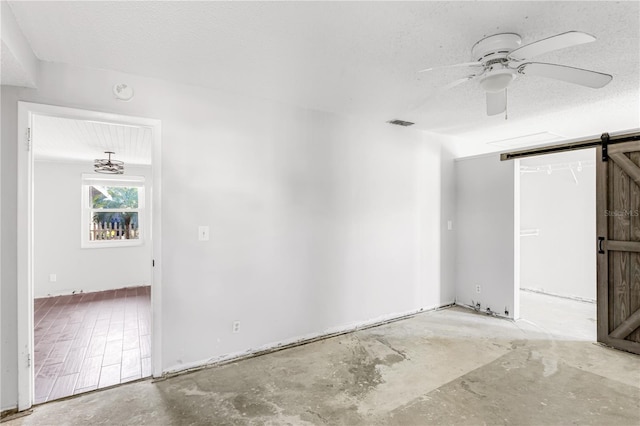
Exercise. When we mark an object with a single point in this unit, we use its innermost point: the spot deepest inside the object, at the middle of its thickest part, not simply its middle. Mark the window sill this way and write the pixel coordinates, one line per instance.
(111, 244)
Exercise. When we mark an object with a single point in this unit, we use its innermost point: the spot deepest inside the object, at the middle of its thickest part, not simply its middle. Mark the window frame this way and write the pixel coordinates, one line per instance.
(87, 209)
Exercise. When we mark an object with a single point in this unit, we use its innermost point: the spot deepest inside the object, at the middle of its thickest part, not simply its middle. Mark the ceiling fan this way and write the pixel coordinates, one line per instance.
(499, 59)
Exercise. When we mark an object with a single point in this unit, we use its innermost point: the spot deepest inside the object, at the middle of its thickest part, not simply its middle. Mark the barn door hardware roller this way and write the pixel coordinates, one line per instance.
(605, 146)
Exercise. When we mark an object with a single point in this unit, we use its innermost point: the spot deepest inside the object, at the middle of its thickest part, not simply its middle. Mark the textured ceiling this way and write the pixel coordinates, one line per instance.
(58, 138)
(357, 58)
(18, 64)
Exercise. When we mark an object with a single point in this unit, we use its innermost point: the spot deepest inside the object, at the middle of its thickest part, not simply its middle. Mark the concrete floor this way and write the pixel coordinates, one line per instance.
(444, 367)
(559, 317)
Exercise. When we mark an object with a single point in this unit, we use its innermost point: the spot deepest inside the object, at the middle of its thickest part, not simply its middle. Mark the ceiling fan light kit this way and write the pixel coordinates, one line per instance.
(497, 81)
(500, 59)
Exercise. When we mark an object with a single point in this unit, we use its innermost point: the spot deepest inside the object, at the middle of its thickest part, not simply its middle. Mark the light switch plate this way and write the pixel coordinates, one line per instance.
(203, 233)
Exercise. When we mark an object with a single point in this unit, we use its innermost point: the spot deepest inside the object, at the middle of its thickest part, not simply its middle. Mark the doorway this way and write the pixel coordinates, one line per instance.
(89, 292)
(557, 254)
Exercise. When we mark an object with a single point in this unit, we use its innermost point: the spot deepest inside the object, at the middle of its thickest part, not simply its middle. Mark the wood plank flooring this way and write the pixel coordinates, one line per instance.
(91, 340)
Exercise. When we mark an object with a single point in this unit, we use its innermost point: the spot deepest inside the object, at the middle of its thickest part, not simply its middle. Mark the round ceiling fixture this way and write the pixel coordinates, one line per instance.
(123, 92)
(497, 80)
(108, 166)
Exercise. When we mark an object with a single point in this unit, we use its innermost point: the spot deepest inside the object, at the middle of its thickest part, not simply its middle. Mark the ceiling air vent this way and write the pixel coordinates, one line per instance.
(401, 123)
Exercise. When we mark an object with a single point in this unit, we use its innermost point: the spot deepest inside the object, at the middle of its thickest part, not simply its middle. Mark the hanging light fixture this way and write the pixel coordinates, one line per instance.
(108, 166)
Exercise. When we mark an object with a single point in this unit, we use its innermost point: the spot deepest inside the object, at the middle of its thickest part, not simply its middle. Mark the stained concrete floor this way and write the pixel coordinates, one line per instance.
(451, 366)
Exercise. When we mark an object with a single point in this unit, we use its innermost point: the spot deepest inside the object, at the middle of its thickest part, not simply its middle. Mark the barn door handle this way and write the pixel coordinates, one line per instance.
(600, 241)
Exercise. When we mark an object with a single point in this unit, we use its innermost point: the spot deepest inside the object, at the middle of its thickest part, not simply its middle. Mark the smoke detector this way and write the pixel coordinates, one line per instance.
(123, 92)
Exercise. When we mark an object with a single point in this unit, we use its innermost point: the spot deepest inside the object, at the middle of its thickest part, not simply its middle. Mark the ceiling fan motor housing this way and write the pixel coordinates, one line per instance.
(495, 47)
(492, 52)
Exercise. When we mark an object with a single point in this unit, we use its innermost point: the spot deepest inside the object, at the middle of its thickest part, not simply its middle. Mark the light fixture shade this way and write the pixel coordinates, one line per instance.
(108, 165)
(497, 81)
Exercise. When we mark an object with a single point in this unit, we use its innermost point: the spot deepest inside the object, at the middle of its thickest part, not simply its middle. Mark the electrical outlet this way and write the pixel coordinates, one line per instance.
(478, 288)
(235, 327)
(53, 278)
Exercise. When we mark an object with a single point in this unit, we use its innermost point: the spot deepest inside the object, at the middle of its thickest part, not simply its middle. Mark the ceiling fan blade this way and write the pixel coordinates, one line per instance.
(451, 85)
(549, 44)
(465, 64)
(496, 102)
(579, 76)
(458, 82)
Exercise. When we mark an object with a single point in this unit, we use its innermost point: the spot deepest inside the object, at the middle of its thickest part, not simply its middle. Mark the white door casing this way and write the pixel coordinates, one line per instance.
(26, 113)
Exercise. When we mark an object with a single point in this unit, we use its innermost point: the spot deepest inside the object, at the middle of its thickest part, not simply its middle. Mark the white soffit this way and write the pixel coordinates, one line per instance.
(63, 139)
(359, 58)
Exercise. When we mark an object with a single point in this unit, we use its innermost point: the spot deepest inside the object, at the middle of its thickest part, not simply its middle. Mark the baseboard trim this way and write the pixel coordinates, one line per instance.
(80, 292)
(292, 343)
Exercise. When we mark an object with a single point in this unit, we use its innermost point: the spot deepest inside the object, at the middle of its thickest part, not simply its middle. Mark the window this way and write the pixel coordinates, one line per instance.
(112, 211)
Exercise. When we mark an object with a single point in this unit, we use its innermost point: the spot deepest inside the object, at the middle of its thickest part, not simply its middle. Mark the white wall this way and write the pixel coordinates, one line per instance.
(561, 260)
(486, 243)
(57, 202)
(8, 272)
(3, 343)
(318, 221)
(448, 213)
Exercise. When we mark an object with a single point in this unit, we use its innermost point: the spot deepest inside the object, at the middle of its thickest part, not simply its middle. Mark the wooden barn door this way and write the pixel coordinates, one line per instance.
(618, 226)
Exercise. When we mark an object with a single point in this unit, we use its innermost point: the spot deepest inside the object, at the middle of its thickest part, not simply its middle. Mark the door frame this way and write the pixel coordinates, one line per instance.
(518, 213)
(25, 320)
(602, 145)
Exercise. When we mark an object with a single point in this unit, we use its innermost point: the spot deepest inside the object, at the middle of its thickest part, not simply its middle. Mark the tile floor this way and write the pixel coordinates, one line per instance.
(91, 340)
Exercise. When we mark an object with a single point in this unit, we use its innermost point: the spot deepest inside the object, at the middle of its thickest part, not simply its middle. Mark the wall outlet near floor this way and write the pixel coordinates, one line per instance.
(53, 278)
(235, 327)
(477, 288)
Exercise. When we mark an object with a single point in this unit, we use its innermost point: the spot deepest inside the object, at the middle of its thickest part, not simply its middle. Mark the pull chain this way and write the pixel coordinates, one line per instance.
(506, 104)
